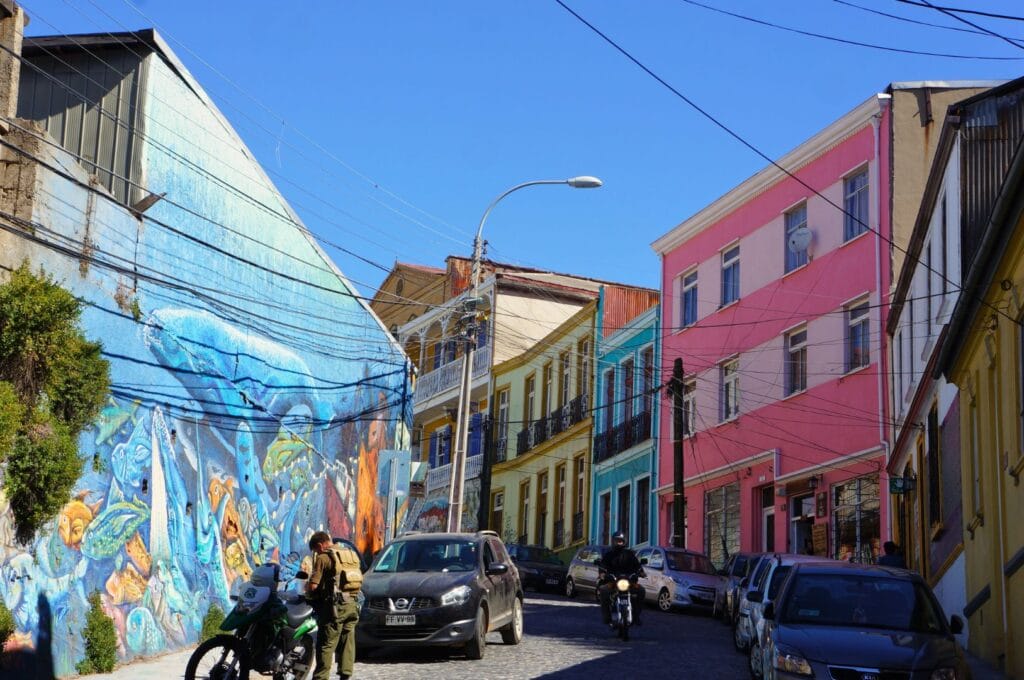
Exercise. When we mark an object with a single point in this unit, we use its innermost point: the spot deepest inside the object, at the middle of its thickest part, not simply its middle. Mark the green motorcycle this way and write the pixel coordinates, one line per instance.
(273, 634)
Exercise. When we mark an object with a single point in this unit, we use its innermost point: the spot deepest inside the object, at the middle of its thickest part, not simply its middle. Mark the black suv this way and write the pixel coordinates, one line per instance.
(539, 567)
(441, 590)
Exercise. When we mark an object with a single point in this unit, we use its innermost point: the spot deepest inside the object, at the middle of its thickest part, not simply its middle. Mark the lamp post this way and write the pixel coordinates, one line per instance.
(470, 304)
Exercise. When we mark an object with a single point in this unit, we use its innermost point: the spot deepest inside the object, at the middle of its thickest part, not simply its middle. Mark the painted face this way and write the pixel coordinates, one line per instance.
(71, 524)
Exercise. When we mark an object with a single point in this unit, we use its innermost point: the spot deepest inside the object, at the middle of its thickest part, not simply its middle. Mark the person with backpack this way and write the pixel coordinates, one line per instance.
(333, 588)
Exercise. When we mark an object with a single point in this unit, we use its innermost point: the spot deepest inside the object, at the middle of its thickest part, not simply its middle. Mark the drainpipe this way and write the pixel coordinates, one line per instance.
(884, 102)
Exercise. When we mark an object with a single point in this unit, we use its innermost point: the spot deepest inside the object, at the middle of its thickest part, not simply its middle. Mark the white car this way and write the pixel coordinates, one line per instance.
(675, 577)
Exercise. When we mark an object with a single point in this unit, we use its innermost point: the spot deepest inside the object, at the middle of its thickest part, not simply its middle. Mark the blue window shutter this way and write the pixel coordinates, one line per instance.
(476, 434)
(433, 449)
(446, 446)
(481, 336)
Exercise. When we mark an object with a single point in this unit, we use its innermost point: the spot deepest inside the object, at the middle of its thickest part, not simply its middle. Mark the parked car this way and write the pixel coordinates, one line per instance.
(441, 590)
(767, 588)
(582, 573)
(676, 577)
(747, 585)
(737, 568)
(843, 620)
(539, 567)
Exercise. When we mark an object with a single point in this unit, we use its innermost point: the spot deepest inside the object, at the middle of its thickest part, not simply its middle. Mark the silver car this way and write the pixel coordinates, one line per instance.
(747, 585)
(675, 577)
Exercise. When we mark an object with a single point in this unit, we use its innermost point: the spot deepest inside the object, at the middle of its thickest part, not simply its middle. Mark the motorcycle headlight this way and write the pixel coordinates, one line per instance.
(456, 596)
(944, 674)
(791, 661)
(622, 584)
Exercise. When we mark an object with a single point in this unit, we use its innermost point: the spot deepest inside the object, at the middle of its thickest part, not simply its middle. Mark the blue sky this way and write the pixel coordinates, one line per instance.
(401, 121)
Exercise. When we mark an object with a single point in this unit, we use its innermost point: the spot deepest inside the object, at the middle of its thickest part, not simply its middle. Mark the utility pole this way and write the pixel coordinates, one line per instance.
(678, 495)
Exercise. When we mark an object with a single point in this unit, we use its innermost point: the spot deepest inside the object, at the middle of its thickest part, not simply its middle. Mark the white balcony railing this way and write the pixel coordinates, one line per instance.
(441, 476)
(447, 377)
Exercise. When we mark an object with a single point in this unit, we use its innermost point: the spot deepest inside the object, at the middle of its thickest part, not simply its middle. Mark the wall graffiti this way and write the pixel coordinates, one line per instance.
(180, 500)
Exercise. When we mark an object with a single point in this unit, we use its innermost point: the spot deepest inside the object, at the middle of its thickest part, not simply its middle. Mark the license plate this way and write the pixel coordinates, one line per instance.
(400, 620)
(551, 581)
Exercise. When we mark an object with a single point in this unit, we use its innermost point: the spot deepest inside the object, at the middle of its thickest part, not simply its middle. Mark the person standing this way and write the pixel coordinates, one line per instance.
(891, 558)
(333, 588)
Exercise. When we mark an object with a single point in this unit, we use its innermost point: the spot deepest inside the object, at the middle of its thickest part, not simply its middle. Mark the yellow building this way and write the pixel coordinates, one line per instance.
(983, 354)
(542, 432)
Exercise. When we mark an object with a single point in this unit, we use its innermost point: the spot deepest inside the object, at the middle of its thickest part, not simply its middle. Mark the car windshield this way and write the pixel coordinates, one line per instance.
(428, 555)
(544, 555)
(778, 577)
(863, 601)
(740, 565)
(681, 561)
(758, 570)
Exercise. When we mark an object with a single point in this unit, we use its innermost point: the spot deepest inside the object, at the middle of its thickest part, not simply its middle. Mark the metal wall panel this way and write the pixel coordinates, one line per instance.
(622, 305)
(89, 100)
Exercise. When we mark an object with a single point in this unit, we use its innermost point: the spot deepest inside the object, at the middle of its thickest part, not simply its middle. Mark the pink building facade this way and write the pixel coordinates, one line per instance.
(774, 296)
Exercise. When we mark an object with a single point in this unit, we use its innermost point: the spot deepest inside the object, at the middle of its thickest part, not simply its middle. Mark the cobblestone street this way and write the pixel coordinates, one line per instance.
(563, 639)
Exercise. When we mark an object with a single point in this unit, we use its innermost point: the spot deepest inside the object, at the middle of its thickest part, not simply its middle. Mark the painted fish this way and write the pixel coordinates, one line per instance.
(140, 557)
(142, 634)
(112, 418)
(130, 459)
(125, 586)
(111, 529)
(224, 506)
(74, 517)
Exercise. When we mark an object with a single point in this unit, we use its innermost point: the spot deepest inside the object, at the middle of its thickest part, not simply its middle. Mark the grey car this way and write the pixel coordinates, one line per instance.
(675, 577)
(842, 620)
(737, 568)
(747, 585)
(582, 575)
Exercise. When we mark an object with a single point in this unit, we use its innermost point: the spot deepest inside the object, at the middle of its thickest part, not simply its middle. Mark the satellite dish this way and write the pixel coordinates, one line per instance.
(799, 240)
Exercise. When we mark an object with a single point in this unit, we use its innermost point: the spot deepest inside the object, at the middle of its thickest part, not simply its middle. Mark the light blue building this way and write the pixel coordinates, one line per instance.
(624, 463)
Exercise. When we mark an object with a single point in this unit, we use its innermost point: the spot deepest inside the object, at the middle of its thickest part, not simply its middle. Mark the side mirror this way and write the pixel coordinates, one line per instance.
(301, 575)
(956, 624)
(769, 611)
(755, 596)
(497, 569)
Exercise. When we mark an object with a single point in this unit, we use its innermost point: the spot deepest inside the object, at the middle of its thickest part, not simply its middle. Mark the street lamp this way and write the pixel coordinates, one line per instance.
(455, 488)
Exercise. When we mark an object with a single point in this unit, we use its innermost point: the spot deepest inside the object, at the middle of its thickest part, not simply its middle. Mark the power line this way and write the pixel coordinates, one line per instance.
(909, 20)
(950, 13)
(957, 10)
(845, 41)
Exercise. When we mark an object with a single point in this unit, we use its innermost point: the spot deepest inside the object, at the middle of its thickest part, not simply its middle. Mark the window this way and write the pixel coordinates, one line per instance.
(528, 403)
(976, 504)
(689, 407)
(502, 433)
(928, 289)
(643, 510)
(441, 446)
(899, 370)
(609, 400)
(855, 191)
(647, 358)
(498, 512)
(856, 520)
(566, 386)
(560, 495)
(934, 469)
(524, 512)
(731, 275)
(796, 361)
(795, 219)
(942, 250)
(730, 396)
(547, 397)
(581, 485)
(624, 510)
(688, 300)
(857, 347)
(542, 507)
(605, 518)
(722, 523)
(583, 379)
(627, 391)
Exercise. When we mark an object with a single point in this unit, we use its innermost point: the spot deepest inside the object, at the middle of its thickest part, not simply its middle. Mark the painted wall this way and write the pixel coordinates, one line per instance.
(252, 393)
(779, 440)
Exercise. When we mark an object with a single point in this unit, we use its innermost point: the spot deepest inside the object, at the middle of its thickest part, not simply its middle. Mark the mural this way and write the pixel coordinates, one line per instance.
(182, 499)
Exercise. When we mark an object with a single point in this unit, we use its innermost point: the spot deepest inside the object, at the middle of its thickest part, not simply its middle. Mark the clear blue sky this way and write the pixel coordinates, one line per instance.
(440, 106)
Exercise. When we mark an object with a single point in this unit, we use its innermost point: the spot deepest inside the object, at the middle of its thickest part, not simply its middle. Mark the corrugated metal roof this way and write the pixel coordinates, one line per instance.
(622, 305)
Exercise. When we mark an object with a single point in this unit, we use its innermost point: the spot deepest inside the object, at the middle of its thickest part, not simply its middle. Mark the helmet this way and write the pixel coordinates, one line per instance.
(619, 538)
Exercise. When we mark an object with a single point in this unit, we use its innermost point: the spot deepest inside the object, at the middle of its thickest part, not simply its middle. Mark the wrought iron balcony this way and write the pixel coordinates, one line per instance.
(554, 423)
(622, 436)
(500, 449)
(577, 527)
(542, 525)
(447, 377)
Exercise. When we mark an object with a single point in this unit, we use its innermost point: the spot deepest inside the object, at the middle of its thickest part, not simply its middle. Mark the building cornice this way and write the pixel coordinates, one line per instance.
(825, 140)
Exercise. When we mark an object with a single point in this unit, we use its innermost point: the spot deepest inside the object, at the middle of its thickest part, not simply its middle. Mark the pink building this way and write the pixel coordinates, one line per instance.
(774, 298)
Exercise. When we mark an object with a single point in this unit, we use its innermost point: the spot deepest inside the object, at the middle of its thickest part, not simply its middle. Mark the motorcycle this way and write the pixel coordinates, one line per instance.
(622, 602)
(273, 634)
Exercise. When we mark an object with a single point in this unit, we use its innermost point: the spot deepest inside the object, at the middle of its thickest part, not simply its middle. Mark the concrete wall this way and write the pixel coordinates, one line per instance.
(251, 392)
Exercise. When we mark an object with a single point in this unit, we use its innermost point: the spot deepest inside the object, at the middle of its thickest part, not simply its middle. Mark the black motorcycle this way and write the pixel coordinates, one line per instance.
(622, 601)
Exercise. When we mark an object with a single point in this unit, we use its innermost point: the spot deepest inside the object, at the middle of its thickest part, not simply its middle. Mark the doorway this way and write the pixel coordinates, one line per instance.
(801, 535)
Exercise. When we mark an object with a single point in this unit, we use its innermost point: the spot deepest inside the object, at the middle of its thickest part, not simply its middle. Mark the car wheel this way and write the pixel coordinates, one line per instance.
(476, 646)
(755, 661)
(737, 638)
(513, 632)
(570, 588)
(664, 600)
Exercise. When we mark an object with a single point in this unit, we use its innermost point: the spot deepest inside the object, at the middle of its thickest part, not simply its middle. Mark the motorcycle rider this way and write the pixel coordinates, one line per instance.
(620, 562)
(333, 588)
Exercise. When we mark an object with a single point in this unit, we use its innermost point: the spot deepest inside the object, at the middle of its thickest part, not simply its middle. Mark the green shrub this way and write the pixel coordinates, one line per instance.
(100, 640)
(211, 623)
(6, 624)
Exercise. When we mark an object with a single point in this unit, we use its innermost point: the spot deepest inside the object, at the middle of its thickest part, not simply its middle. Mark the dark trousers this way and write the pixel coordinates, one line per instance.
(336, 640)
(606, 590)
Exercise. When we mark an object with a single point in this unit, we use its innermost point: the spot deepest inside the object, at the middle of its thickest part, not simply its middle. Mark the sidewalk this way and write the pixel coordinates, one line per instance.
(167, 667)
(981, 670)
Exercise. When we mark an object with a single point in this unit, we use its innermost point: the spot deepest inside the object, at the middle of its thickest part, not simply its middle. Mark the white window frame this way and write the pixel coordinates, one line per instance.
(503, 411)
(729, 393)
(851, 228)
(689, 407)
(862, 309)
(793, 220)
(688, 304)
(731, 262)
(796, 358)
